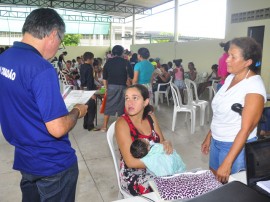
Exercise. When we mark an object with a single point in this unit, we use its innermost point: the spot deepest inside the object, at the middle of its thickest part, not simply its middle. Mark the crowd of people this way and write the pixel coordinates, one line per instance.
(43, 152)
(2, 49)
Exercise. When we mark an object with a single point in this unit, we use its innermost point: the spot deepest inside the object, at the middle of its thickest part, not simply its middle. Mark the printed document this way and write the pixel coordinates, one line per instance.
(73, 97)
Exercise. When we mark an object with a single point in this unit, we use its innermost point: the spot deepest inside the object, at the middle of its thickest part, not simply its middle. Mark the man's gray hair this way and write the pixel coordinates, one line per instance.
(42, 21)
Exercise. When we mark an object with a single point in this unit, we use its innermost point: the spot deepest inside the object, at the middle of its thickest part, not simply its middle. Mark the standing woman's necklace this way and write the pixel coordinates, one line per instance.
(234, 81)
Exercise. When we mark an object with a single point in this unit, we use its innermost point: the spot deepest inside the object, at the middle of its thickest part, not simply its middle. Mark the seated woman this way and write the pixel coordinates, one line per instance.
(138, 122)
(155, 159)
(163, 77)
(208, 82)
(192, 73)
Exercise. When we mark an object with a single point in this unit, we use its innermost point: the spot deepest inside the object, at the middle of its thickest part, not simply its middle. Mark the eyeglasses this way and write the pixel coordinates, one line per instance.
(62, 44)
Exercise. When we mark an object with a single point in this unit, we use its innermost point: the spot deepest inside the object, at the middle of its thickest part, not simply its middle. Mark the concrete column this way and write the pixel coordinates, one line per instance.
(101, 40)
(94, 40)
(111, 35)
(175, 20)
(123, 29)
(133, 28)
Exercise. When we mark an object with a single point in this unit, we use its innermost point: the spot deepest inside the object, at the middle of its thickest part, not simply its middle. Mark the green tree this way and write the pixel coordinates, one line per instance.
(72, 39)
(161, 40)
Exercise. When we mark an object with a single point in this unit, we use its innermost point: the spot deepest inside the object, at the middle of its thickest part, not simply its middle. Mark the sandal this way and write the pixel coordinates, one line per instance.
(104, 130)
(96, 129)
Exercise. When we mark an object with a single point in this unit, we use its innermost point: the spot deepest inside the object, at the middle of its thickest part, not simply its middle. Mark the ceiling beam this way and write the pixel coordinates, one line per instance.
(90, 7)
(67, 17)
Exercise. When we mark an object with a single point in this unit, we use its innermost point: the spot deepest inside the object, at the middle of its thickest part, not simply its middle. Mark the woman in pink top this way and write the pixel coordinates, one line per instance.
(222, 65)
(179, 76)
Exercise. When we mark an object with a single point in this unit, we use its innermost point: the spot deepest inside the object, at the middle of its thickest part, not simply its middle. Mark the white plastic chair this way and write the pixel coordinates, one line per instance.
(64, 81)
(213, 88)
(159, 93)
(202, 104)
(179, 107)
(110, 137)
(201, 77)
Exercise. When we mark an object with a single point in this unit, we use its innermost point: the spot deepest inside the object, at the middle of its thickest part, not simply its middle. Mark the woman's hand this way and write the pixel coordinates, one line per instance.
(205, 147)
(167, 145)
(223, 172)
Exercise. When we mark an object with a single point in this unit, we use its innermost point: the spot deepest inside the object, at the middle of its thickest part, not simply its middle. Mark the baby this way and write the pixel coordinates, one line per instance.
(155, 159)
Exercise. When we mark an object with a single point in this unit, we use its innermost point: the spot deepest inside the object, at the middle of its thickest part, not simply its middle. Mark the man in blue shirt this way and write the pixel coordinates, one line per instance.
(33, 116)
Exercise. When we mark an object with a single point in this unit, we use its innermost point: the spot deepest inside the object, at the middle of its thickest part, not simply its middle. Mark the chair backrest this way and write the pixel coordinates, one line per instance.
(63, 78)
(214, 85)
(201, 77)
(163, 84)
(191, 85)
(176, 95)
(110, 138)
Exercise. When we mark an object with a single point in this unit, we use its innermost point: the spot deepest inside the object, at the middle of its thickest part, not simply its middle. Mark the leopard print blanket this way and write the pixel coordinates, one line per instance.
(186, 185)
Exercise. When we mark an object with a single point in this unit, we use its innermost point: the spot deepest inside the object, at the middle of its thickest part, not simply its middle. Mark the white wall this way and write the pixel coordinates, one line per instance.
(204, 53)
(74, 51)
(240, 29)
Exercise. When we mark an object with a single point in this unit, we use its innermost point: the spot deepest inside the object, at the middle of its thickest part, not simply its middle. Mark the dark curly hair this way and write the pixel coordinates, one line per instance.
(177, 62)
(138, 148)
(250, 50)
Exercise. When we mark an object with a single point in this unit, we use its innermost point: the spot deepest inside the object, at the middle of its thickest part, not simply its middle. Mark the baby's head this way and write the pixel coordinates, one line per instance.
(139, 148)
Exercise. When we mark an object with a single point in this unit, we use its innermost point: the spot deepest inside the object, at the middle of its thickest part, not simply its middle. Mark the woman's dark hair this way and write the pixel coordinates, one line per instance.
(88, 55)
(99, 60)
(138, 149)
(165, 66)
(170, 64)
(95, 63)
(192, 64)
(144, 53)
(225, 46)
(117, 50)
(134, 57)
(250, 50)
(214, 66)
(177, 62)
(145, 94)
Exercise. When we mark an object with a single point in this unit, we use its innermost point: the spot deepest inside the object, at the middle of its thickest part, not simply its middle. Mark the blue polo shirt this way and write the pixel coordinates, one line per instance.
(29, 97)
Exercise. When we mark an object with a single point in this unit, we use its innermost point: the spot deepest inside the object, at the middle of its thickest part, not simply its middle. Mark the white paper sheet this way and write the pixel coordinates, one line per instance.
(264, 185)
(73, 97)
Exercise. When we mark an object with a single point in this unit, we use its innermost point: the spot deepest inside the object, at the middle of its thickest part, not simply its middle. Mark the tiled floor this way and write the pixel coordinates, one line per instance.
(97, 181)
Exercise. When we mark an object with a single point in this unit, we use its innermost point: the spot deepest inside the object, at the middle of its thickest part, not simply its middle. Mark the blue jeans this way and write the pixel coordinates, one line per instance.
(219, 86)
(60, 187)
(218, 152)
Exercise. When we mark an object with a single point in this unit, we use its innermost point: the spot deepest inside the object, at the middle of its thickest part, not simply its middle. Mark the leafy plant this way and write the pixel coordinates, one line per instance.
(72, 39)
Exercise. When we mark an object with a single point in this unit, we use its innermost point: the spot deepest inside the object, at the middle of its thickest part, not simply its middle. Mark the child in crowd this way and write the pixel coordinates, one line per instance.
(155, 159)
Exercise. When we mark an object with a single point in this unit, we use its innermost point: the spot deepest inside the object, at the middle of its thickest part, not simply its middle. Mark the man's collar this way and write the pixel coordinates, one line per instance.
(22, 45)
